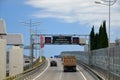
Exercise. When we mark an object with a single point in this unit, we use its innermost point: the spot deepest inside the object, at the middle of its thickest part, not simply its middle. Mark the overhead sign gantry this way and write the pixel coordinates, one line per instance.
(53, 39)
(56, 39)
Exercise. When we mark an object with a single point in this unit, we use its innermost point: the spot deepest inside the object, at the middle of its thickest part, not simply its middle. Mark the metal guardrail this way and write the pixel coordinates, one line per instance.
(91, 71)
(26, 74)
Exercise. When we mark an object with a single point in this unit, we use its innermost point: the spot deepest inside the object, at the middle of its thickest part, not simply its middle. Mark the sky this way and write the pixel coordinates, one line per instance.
(59, 17)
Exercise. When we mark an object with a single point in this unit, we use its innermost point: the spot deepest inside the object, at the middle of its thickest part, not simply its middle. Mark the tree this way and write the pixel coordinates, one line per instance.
(96, 41)
(105, 38)
(99, 40)
(92, 35)
(100, 44)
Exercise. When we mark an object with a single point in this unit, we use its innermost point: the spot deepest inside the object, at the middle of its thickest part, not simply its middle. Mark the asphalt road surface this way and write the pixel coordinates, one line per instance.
(56, 73)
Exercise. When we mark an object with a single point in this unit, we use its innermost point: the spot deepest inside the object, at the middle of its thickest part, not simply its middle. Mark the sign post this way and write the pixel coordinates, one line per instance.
(41, 46)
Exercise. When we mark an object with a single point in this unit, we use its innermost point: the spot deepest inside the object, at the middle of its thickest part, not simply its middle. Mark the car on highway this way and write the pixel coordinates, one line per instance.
(53, 63)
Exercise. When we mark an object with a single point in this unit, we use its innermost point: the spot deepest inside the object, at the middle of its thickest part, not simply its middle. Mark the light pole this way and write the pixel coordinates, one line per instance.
(30, 24)
(108, 3)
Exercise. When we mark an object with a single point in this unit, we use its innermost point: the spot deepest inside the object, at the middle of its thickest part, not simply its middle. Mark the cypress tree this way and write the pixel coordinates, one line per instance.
(96, 41)
(92, 34)
(100, 37)
(99, 40)
(105, 38)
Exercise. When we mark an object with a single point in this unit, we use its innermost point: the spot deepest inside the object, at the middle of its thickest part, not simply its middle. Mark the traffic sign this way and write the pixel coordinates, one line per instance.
(75, 40)
(47, 40)
(61, 39)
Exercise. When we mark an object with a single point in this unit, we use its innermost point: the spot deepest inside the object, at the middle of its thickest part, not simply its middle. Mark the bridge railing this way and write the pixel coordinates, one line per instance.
(27, 72)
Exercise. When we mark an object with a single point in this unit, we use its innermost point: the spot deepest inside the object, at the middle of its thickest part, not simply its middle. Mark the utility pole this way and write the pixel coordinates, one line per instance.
(30, 24)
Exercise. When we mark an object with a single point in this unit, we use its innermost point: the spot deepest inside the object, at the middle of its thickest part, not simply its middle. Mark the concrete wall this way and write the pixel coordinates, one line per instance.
(16, 61)
(2, 59)
(2, 27)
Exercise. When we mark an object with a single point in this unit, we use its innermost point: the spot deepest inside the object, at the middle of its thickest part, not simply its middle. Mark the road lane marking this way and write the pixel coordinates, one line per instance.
(61, 72)
(81, 74)
(43, 71)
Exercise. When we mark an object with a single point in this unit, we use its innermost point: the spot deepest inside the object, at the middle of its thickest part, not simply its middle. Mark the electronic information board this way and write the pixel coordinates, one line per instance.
(61, 40)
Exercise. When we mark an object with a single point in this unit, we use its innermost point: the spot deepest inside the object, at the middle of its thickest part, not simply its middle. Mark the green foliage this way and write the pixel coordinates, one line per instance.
(96, 41)
(105, 38)
(99, 40)
(92, 35)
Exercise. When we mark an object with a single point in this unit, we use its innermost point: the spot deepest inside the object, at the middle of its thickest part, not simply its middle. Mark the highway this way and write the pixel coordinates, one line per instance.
(56, 73)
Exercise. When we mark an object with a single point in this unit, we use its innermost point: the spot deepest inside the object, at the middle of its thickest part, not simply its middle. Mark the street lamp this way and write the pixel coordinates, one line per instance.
(30, 24)
(108, 3)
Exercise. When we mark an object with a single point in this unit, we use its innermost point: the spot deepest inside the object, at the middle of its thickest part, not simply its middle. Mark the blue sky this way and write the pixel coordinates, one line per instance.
(58, 17)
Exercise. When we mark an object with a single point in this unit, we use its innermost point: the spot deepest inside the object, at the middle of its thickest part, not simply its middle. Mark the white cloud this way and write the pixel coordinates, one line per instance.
(82, 11)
